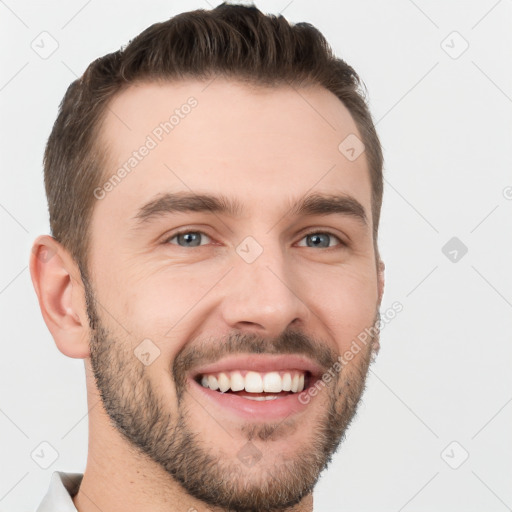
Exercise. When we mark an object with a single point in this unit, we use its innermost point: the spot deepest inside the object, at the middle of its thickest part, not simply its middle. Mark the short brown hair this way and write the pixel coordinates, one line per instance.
(236, 41)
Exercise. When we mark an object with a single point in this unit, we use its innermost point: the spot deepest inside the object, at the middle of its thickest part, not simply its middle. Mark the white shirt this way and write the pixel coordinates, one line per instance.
(63, 486)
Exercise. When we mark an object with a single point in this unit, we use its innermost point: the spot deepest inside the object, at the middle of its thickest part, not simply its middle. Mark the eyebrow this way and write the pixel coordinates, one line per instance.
(310, 205)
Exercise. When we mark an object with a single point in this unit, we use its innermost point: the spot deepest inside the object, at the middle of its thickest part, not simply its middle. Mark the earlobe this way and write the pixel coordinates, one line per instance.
(60, 293)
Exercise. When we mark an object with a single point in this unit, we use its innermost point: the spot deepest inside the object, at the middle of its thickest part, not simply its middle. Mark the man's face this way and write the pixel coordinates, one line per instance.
(270, 291)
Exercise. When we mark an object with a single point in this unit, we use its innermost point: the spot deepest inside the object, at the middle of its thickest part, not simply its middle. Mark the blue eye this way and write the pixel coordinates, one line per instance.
(188, 238)
(320, 239)
(314, 239)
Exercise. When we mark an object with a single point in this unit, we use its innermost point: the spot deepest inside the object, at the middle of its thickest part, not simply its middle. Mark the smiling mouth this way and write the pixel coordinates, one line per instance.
(259, 386)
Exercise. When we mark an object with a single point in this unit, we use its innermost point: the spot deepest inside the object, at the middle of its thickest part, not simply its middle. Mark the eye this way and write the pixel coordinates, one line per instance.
(187, 238)
(321, 239)
(314, 239)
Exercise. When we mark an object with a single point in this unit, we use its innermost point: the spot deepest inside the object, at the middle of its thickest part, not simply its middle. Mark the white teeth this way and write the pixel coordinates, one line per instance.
(301, 383)
(224, 383)
(254, 382)
(295, 383)
(272, 382)
(237, 381)
(212, 382)
(287, 382)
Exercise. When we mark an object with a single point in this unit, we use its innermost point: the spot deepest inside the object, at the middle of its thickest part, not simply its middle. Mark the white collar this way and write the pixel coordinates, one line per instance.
(63, 486)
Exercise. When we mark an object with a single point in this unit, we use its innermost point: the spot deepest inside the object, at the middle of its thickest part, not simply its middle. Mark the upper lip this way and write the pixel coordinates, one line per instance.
(261, 363)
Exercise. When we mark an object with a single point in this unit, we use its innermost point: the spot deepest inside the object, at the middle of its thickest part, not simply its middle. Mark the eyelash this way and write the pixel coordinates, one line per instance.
(314, 232)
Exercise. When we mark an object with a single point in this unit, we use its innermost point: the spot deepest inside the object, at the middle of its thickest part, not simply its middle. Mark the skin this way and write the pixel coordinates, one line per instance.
(264, 147)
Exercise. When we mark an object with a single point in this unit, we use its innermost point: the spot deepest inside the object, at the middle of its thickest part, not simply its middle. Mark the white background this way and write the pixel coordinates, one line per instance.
(444, 371)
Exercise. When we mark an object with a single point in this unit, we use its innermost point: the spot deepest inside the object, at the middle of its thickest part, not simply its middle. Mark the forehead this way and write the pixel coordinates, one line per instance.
(256, 144)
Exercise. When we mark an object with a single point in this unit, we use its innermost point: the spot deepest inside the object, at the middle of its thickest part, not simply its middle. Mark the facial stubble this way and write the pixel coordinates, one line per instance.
(138, 412)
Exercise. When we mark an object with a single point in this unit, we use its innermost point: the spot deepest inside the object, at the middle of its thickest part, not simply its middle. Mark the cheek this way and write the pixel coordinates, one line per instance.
(346, 302)
(169, 304)
(161, 303)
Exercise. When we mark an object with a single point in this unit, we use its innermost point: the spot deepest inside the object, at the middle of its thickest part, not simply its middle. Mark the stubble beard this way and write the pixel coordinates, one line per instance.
(140, 415)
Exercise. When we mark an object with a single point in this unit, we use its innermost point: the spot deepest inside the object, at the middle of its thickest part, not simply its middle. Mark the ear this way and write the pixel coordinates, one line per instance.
(59, 288)
(380, 291)
(380, 279)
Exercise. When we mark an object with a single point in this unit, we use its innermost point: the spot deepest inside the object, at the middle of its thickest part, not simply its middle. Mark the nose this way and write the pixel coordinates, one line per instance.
(264, 296)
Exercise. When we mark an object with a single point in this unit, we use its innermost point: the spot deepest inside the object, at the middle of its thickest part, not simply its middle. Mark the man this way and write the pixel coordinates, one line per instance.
(214, 191)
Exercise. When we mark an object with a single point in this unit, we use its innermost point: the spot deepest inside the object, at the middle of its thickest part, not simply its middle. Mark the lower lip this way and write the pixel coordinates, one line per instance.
(251, 409)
